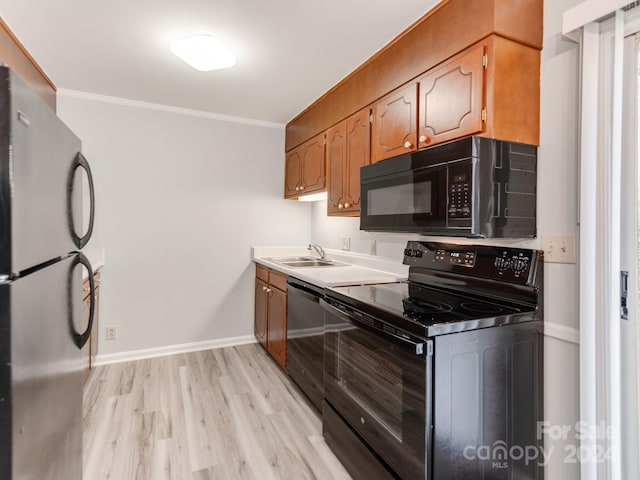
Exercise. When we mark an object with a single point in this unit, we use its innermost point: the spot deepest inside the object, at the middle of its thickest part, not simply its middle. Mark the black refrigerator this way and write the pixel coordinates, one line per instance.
(41, 325)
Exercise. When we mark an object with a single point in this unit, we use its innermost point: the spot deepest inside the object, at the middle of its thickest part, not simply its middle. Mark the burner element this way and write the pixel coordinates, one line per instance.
(422, 306)
(481, 307)
(418, 309)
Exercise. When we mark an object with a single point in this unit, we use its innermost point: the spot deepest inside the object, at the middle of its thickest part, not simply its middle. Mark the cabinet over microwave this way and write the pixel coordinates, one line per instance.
(474, 187)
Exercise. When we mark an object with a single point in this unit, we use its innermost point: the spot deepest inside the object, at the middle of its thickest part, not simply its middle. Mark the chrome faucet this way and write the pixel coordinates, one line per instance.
(317, 248)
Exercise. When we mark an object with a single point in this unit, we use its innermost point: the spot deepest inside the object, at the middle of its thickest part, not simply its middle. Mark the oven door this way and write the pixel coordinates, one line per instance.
(380, 383)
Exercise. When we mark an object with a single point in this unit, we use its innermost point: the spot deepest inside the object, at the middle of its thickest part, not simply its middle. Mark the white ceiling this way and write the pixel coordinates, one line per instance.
(289, 51)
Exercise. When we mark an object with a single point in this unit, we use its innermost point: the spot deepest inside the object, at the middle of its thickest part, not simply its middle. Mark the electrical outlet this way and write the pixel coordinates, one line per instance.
(346, 243)
(559, 249)
(111, 333)
(372, 247)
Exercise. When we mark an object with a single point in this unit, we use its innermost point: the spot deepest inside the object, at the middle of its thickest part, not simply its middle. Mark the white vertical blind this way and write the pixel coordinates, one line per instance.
(602, 41)
(613, 273)
(588, 235)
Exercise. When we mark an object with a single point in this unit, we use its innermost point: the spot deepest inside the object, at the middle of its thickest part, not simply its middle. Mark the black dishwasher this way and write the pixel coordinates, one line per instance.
(305, 338)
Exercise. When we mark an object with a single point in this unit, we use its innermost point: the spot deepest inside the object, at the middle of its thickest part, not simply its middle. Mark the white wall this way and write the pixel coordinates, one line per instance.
(179, 201)
(557, 215)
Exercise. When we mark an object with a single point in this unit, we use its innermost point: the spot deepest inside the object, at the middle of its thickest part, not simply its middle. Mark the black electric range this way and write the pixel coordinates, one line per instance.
(452, 288)
(420, 375)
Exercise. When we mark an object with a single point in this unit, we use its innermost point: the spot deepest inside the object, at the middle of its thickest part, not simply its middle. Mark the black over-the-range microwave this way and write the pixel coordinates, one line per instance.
(473, 187)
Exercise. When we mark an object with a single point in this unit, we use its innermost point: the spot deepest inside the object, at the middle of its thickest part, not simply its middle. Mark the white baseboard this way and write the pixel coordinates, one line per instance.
(553, 330)
(131, 355)
(562, 332)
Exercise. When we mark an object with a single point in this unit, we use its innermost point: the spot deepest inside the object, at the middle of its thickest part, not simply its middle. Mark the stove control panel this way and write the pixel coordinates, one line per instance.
(456, 257)
(514, 265)
(516, 262)
(450, 257)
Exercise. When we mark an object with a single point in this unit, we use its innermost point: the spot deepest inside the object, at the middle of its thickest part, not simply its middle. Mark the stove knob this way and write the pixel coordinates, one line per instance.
(408, 252)
(520, 266)
(502, 264)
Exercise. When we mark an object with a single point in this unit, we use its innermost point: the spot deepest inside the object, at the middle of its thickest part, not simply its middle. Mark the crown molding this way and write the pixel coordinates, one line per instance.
(166, 108)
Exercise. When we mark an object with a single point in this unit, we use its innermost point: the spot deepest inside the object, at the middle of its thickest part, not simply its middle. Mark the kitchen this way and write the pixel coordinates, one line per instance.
(182, 196)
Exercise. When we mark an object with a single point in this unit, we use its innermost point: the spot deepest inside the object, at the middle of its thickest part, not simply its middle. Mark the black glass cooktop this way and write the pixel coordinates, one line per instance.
(411, 303)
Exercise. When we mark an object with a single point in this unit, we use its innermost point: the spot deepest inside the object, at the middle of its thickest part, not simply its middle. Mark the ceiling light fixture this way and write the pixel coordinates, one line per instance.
(203, 52)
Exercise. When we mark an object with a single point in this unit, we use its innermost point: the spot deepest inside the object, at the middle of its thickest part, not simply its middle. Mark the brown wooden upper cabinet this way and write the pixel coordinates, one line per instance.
(305, 168)
(348, 149)
(451, 103)
(490, 89)
(394, 130)
(16, 56)
(512, 33)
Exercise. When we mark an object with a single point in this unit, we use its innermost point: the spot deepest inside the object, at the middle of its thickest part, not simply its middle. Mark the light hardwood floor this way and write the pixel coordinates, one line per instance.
(218, 414)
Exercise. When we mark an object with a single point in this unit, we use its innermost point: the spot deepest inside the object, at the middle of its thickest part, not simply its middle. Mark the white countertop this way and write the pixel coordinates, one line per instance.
(359, 269)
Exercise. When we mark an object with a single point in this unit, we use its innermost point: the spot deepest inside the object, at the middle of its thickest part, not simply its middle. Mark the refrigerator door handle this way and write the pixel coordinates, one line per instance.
(81, 162)
(81, 339)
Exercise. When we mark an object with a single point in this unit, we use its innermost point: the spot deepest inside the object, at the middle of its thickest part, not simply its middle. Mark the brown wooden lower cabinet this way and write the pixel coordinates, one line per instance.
(90, 349)
(270, 327)
(262, 312)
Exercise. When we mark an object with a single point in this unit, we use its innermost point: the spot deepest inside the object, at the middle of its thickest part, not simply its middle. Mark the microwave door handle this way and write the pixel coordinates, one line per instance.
(420, 348)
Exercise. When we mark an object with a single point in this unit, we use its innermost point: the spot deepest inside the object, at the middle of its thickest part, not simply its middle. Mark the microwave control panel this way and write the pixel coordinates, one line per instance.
(460, 191)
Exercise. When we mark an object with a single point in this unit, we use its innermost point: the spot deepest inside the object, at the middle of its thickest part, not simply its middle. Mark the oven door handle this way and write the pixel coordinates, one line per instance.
(420, 348)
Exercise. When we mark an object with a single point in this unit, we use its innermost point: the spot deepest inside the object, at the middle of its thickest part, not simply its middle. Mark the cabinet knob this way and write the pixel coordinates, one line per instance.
(423, 138)
(297, 189)
(264, 288)
(340, 206)
(301, 187)
(268, 290)
(346, 205)
(408, 144)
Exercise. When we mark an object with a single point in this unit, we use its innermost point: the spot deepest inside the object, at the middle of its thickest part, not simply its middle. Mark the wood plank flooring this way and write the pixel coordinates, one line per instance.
(229, 413)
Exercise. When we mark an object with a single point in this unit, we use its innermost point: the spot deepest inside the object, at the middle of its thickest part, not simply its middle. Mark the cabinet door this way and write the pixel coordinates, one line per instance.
(336, 166)
(260, 323)
(358, 155)
(451, 99)
(277, 338)
(395, 124)
(313, 165)
(292, 171)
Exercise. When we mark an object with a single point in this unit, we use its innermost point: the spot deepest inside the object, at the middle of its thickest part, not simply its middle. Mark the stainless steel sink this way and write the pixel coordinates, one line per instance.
(311, 263)
(305, 262)
(291, 259)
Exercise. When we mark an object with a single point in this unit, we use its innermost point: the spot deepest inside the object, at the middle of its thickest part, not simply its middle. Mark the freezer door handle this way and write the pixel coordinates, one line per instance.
(80, 162)
(81, 338)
